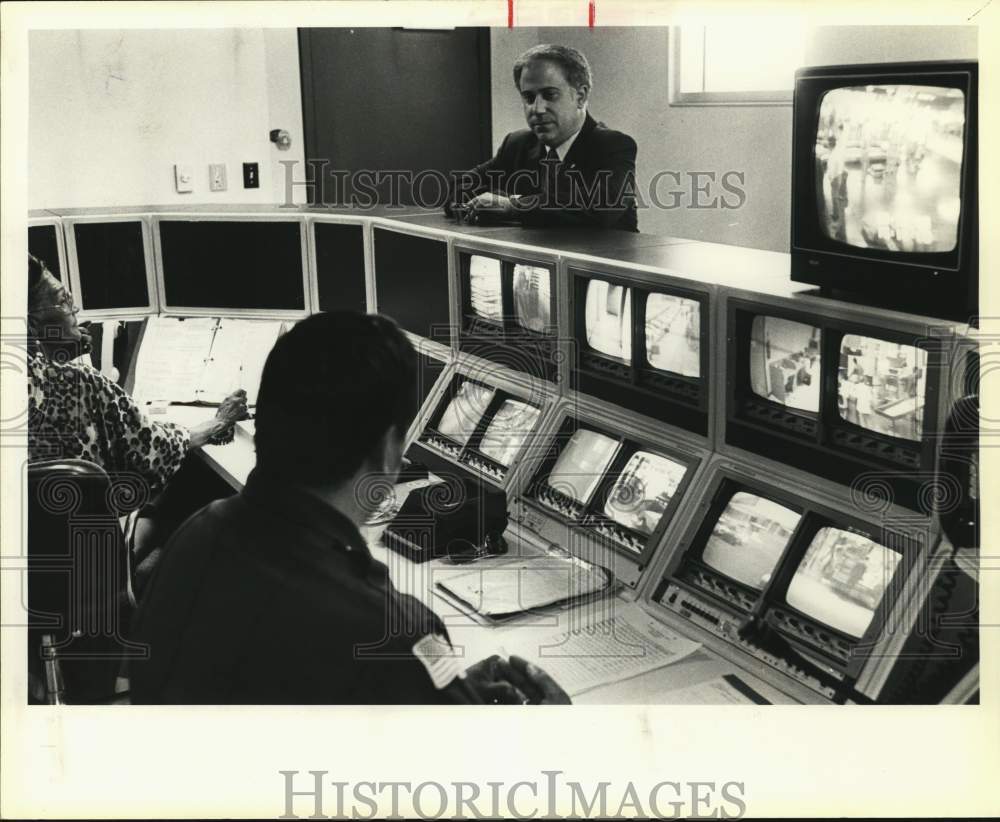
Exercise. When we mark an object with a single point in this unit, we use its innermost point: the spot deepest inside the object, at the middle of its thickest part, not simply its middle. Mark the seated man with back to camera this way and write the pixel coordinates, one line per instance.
(565, 169)
(289, 606)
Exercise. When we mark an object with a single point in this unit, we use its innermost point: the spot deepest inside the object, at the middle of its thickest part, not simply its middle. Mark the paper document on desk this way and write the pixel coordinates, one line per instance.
(171, 359)
(724, 690)
(500, 589)
(619, 647)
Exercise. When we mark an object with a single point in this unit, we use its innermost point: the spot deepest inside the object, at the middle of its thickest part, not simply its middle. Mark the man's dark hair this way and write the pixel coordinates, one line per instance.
(574, 65)
(331, 387)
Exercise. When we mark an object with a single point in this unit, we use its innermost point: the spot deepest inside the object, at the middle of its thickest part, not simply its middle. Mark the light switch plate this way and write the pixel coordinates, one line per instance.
(183, 179)
(217, 177)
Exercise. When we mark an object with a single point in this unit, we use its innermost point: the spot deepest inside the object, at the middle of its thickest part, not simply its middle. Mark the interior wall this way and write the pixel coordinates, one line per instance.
(111, 112)
(631, 72)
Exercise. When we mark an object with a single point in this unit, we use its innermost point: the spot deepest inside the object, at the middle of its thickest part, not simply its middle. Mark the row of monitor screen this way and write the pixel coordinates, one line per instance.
(594, 478)
(602, 481)
(225, 264)
(810, 381)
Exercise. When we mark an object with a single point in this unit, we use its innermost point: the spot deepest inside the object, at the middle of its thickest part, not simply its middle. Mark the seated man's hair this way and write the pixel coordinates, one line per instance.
(331, 387)
(572, 62)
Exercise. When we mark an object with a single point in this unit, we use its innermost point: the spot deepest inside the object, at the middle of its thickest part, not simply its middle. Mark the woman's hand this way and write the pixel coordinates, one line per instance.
(233, 408)
(86, 340)
(219, 430)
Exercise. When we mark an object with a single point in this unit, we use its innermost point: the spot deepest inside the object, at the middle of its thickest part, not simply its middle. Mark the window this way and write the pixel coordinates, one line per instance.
(727, 64)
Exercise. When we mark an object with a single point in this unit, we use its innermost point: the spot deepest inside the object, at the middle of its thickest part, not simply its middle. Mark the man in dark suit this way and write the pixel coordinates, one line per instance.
(565, 169)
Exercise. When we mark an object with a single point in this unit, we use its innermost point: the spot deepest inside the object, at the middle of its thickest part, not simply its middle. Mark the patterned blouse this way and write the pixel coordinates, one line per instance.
(75, 412)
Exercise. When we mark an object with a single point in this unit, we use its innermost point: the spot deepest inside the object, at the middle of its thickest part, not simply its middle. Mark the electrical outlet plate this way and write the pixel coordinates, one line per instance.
(217, 177)
(183, 178)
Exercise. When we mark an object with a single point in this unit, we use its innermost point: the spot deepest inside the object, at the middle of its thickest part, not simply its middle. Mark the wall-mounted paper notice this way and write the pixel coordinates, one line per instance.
(171, 358)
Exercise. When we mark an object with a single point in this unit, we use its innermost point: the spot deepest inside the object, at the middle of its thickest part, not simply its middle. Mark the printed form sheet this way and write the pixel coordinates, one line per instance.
(171, 358)
(619, 647)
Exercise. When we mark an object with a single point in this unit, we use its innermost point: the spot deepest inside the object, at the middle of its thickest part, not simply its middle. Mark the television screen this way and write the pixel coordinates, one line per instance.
(340, 266)
(673, 334)
(43, 242)
(232, 264)
(841, 580)
(785, 364)
(643, 491)
(582, 464)
(881, 386)
(532, 305)
(508, 430)
(411, 282)
(111, 259)
(608, 320)
(463, 413)
(888, 163)
(749, 538)
(484, 287)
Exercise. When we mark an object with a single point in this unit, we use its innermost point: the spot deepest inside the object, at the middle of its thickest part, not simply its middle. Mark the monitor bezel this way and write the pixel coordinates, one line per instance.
(509, 389)
(443, 356)
(312, 266)
(567, 421)
(631, 392)
(690, 550)
(738, 383)
(375, 225)
(882, 274)
(504, 344)
(152, 306)
(168, 310)
(815, 518)
(818, 505)
(819, 453)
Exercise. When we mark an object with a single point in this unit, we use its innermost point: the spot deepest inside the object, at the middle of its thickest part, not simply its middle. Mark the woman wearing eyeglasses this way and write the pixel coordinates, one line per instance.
(75, 412)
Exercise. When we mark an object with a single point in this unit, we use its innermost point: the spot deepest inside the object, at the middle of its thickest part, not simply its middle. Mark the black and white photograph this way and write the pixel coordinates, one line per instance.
(474, 410)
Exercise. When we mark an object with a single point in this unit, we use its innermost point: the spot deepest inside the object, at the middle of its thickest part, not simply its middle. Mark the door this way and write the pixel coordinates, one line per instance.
(388, 112)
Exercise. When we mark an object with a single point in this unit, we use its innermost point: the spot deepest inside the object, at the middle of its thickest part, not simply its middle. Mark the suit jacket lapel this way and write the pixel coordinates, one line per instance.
(578, 149)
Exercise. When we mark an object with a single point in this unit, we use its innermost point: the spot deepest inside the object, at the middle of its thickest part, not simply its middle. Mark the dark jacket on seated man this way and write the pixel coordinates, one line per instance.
(593, 185)
(272, 596)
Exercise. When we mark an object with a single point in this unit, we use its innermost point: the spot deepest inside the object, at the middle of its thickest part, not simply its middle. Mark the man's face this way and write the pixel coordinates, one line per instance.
(554, 110)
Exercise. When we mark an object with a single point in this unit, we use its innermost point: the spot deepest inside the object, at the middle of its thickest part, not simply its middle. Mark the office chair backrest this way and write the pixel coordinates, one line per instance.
(79, 588)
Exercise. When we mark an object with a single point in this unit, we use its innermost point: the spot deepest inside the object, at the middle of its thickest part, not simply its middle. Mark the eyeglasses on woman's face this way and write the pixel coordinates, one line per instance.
(64, 302)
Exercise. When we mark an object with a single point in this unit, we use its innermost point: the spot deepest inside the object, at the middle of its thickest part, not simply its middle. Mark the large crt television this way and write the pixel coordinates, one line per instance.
(857, 403)
(641, 343)
(884, 184)
(508, 312)
(806, 585)
(235, 266)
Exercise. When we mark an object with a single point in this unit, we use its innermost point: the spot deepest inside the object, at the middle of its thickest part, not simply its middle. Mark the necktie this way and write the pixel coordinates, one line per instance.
(550, 169)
